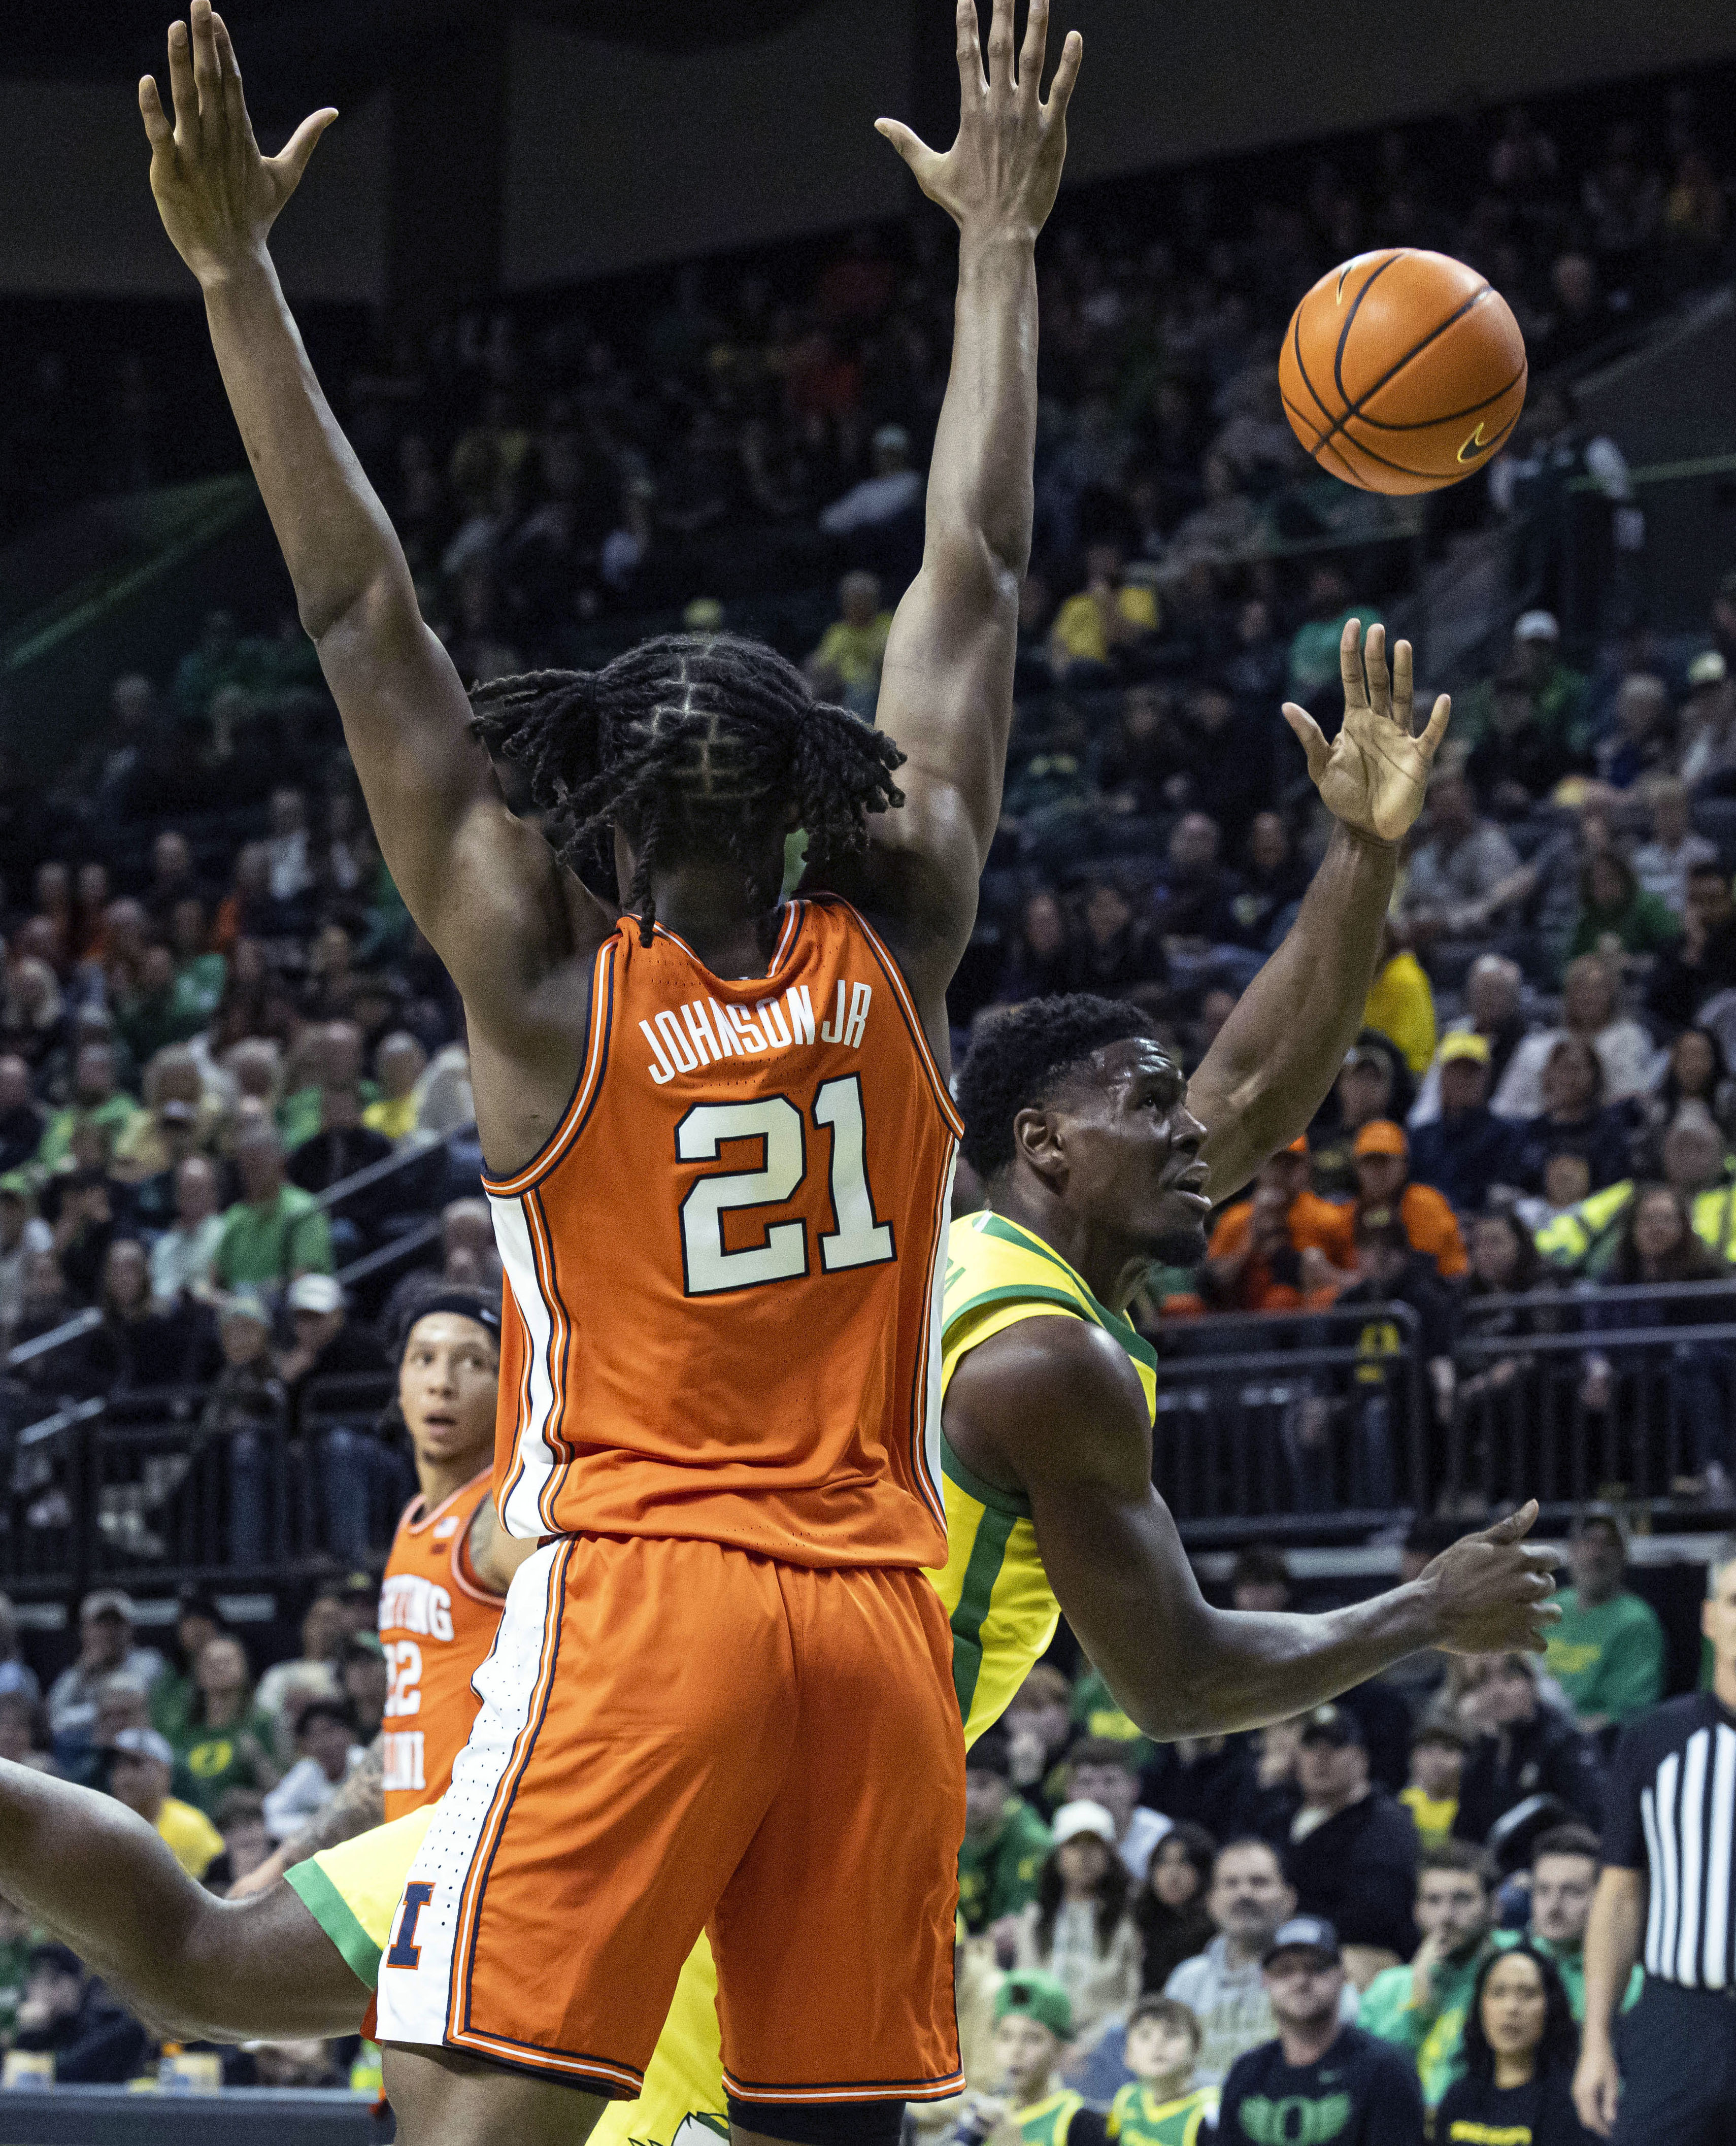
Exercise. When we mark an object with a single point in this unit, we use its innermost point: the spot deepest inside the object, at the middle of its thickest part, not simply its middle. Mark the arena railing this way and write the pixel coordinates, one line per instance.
(123, 2115)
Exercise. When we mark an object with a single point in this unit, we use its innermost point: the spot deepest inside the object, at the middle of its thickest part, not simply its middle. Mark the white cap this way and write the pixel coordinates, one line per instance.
(1708, 668)
(1537, 625)
(316, 1292)
(1084, 1816)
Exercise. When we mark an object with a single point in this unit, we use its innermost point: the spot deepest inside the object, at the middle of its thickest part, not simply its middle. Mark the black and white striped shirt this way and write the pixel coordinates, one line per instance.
(1671, 1813)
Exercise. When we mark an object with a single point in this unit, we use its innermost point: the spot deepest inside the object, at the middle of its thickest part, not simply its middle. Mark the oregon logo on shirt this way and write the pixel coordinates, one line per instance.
(1296, 2120)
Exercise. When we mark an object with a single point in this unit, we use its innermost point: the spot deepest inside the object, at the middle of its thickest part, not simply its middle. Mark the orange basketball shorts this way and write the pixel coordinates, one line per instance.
(673, 1737)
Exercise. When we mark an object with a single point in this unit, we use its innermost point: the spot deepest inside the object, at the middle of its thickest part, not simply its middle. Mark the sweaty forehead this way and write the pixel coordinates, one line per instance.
(1135, 1061)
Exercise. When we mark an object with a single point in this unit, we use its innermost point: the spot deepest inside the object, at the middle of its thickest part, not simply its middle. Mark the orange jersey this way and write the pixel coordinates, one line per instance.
(723, 1272)
(437, 1623)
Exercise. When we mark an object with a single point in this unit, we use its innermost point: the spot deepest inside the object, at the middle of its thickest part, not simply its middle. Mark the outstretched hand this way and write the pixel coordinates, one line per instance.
(1003, 172)
(1374, 774)
(1491, 1590)
(217, 196)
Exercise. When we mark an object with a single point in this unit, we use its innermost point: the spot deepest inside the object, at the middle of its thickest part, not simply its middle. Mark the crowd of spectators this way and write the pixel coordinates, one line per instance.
(1400, 1842)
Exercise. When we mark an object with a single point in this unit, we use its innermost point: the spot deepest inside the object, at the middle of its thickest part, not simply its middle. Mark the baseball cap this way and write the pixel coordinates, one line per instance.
(1708, 668)
(1332, 1724)
(1536, 626)
(1303, 1933)
(145, 1744)
(1038, 1997)
(1464, 1043)
(108, 1602)
(1381, 1137)
(316, 1292)
(1082, 1816)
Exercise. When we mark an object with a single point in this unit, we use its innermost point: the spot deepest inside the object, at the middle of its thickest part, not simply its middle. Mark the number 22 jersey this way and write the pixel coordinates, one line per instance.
(723, 1271)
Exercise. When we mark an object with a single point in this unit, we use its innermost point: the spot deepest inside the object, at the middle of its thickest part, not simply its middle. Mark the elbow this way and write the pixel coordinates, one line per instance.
(980, 564)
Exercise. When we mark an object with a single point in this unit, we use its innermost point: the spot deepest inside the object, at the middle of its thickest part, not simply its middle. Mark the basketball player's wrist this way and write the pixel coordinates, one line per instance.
(992, 241)
(234, 273)
(1360, 838)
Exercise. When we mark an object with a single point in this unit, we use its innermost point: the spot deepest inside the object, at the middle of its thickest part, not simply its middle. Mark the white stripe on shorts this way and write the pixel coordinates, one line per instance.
(414, 2001)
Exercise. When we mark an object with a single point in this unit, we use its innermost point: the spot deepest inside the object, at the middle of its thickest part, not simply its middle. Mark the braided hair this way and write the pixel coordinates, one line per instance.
(712, 742)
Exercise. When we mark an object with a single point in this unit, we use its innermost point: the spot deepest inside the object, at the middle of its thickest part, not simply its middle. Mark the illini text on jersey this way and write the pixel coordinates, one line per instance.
(703, 1033)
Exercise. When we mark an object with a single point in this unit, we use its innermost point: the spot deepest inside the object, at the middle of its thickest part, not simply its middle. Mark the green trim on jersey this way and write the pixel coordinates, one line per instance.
(338, 1920)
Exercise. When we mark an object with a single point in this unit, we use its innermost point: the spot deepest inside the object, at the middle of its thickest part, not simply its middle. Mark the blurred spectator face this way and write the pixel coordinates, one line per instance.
(1669, 814)
(194, 1628)
(339, 1109)
(1566, 1180)
(1103, 566)
(1040, 1707)
(187, 927)
(1437, 1767)
(1107, 915)
(1327, 592)
(1175, 1880)
(16, 1741)
(342, 1047)
(1492, 993)
(1249, 1896)
(1693, 1153)
(1331, 1775)
(171, 859)
(466, 1226)
(1597, 1560)
(253, 1067)
(53, 888)
(138, 1782)
(1659, 1228)
(1504, 1695)
(243, 1336)
(220, 1669)
(1044, 932)
(195, 1191)
(1641, 704)
(1561, 1890)
(259, 1163)
(93, 1075)
(1452, 1907)
(1117, 1788)
(986, 1796)
(130, 701)
(292, 2064)
(1515, 2009)
(289, 813)
(126, 1278)
(1194, 844)
(51, 1992)
(14, 1084)
(1253, 623)
(44, 1284)
(105, 1639)
(1575, 282)
(365, 1679)
(1365, 1089)
(1494, 1251)
(1142, 716)
(1708, 898)
(123, 926)
(1692, 1061)
(1269, 842)
(332, 952)
(119, 1706)
(1378, 1178)
(1211, 708)
(1569, 1081)
(1303, 1989)
(398, 1065)
(1451, 812)
(1607, 882)
(1215, 1008)
(326, 1740)
(1084, 1862)
(859, 600)
(1464, 1086)
(324, 1630)
(248, 1844)
(92, 888)
(1025, 2054)
(1161, 2049)
(1511, 709)
(253, 868)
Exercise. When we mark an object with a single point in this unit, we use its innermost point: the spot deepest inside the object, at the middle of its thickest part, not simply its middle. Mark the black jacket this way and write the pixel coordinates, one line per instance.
(1358, 1869)
(1547, 1755)
(98, 2045)
(1463, 1155)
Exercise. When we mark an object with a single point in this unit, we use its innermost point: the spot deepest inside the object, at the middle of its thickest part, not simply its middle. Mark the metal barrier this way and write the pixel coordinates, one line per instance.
(78, 2115)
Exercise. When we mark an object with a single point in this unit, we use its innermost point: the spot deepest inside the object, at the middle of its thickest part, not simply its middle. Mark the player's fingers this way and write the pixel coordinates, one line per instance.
(969, 48)
(181, 87)
(914, 151)
(1036, 44)
(1404, 685)
(1435, 729)
(235, 109)
(158, 130)
(207, 78)
(1001, 45)
(1349, 664)
(291, 161)
(1380, 678)
(1512, 1527)
(1308, 736)
(1066, 74)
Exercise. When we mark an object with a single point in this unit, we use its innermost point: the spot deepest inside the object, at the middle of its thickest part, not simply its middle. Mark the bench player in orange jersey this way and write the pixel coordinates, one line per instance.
(445, 1578)
(720, 1150)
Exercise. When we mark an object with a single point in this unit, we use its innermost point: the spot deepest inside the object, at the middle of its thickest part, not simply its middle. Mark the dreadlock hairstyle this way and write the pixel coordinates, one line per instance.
(713, 740)
(1018, 1058)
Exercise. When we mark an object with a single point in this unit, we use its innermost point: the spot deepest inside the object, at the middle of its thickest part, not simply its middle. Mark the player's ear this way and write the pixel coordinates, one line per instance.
(1039, 1141)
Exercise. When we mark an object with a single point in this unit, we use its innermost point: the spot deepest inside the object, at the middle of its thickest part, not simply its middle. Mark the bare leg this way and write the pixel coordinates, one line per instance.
(443, 2097)
(97, 1876)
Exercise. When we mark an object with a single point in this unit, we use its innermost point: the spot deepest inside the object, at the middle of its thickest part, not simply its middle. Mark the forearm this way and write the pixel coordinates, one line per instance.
(1612, 1947)
(358, 1807)
(981, 495)
(335, 538)
(1281, 1049)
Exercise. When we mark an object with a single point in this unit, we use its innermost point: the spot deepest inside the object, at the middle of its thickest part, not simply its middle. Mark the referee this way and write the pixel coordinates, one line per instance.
(1668, 1896)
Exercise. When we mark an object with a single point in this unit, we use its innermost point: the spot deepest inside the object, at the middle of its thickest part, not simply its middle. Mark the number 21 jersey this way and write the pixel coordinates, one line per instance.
(723, 1270)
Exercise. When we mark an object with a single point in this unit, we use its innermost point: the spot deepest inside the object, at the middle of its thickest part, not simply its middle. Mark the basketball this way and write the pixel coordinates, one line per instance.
(1402, 370)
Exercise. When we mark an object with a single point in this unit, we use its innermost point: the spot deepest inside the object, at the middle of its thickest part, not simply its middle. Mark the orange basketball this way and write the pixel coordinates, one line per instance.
(1402, 370)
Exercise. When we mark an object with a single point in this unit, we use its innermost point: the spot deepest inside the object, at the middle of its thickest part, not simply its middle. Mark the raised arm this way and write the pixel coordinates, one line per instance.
(946, 688)
(1280, 1051)
(1052, 1407)
(484, 888)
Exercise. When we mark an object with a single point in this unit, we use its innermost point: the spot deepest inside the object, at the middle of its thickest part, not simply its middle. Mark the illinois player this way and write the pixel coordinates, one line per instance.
(1084, 1136)
(720, 1144)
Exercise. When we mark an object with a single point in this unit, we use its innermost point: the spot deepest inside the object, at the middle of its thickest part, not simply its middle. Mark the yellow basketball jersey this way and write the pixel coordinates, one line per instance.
(996, 1594)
